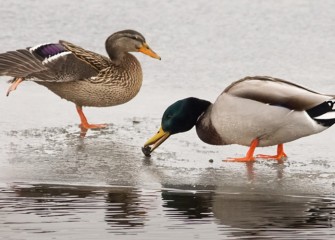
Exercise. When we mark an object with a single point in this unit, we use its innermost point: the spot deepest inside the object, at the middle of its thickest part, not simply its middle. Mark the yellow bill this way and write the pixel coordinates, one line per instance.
(155, 141)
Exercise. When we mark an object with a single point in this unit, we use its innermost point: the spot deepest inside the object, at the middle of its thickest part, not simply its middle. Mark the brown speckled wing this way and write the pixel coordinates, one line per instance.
(276, 91)
(96, 60)
(45, 62)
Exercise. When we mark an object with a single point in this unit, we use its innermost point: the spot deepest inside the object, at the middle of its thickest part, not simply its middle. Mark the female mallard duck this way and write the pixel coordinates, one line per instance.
(83, 77)
(255, 112)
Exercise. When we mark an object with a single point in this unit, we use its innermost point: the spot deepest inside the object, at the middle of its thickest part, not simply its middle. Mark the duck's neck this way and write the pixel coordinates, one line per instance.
(202, 106)
(115, 53)
(197, 108)
(205, 129)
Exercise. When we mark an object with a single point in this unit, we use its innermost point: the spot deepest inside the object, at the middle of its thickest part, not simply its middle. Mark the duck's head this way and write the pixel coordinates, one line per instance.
(179, 117)
(125, 41)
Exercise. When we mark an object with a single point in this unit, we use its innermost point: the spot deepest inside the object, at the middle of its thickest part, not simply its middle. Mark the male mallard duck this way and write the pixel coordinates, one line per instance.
(83, 77)
(255, 112)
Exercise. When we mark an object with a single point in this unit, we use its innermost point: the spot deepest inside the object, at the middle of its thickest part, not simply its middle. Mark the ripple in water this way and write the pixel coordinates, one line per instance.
(40, 210)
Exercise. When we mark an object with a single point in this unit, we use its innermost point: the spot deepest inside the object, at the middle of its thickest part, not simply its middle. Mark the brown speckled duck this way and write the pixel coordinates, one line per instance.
(83, 77)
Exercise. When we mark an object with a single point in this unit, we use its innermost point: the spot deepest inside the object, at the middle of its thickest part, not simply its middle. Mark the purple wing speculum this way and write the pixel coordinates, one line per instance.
(49, 51)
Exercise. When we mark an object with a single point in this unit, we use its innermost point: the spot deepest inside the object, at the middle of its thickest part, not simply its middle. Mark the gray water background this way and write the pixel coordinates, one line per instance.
(55, 185)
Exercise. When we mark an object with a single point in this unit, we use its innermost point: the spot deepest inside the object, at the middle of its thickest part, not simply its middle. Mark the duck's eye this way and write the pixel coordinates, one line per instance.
(169, 116)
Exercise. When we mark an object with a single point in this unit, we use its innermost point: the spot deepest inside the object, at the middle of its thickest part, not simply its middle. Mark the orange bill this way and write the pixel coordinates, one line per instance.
(145, 49)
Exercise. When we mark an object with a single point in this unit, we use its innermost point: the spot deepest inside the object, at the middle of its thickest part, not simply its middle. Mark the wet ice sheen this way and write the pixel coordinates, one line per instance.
(103, 186)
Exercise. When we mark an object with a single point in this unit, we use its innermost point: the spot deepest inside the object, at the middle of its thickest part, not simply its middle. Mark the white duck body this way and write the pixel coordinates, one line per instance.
(271, 110)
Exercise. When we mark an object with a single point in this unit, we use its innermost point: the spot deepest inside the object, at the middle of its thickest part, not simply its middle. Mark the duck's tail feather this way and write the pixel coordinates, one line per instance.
(20, 63)
(323, 113)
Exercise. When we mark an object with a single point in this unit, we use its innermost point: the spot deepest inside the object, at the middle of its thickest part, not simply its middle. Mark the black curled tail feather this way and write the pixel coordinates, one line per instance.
(323, 113)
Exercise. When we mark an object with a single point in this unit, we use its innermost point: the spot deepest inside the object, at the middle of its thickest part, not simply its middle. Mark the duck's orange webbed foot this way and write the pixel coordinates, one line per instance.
(271, 157)
(92, 126)
(84, 125)
(249, 156)
(243, 159)
(84, 128)
(280, 154)
(14, 85)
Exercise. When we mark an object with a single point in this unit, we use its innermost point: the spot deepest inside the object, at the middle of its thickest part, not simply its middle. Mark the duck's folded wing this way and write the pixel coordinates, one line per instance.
(49, 62)
(96, 60)
(277, 92)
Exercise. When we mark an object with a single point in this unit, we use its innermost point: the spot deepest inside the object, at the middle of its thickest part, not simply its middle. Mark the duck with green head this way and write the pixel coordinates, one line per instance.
(254, 111)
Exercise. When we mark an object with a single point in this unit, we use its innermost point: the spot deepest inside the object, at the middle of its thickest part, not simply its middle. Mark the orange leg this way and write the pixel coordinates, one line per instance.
(280, 154)
(14, 85)
(249, 156)
(84, 124)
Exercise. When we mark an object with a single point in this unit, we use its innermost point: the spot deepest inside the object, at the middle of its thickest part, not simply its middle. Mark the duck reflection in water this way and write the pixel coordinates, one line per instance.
(125, 209)
(250, 214)
(247, 214)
